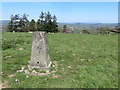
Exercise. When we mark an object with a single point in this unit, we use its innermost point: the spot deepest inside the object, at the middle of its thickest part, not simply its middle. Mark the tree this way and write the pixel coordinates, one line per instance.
(32, 25)
(18, 23)
(48, 17)
(42, 15)
(85, 31)
(21, 25)
(54, 24)
(25, 25)
(13, 24)
(117, 29)
(48, 26)
(42, 18)
(103, 30)
(64, 28)
(16, 19)
(10, 26)
(47, 23)
(39, 25)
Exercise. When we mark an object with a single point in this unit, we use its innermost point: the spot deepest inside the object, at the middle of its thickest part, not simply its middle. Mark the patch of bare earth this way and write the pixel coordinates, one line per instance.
(56, 76)
(4, 85)
(12, 75)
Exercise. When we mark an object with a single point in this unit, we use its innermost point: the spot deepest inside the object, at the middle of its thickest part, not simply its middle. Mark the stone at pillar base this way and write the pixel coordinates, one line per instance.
(47, 69)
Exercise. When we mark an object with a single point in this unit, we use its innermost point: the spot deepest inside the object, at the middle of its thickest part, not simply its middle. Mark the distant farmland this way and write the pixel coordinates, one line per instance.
(75, 26)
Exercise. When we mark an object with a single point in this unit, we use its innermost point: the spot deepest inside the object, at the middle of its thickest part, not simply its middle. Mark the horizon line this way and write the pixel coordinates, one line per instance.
(68, 22)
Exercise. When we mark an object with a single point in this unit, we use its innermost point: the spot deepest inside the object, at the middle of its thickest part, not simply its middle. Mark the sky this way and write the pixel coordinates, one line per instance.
(95, 12)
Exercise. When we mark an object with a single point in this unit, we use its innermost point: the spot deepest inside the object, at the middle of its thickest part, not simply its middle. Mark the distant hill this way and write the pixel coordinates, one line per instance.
(90, 26)
(87, 23)
(74, 26)
(5, 22)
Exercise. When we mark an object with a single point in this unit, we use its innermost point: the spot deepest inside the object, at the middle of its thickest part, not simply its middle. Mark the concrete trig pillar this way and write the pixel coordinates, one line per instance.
(40, 55)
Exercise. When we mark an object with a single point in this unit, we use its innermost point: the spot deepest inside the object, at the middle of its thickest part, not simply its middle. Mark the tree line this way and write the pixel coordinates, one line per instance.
(20, 23)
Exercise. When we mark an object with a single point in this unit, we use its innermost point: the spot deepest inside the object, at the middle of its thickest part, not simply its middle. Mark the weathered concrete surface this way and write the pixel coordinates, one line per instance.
(40, 54)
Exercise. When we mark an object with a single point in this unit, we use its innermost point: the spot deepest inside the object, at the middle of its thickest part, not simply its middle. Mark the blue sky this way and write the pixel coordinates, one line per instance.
(103, 12)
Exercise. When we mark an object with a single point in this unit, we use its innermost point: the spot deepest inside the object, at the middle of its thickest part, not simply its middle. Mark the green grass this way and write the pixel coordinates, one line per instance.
(84, 61)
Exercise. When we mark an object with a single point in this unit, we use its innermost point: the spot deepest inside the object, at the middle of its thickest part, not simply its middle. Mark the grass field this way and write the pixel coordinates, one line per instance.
(84, 61)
